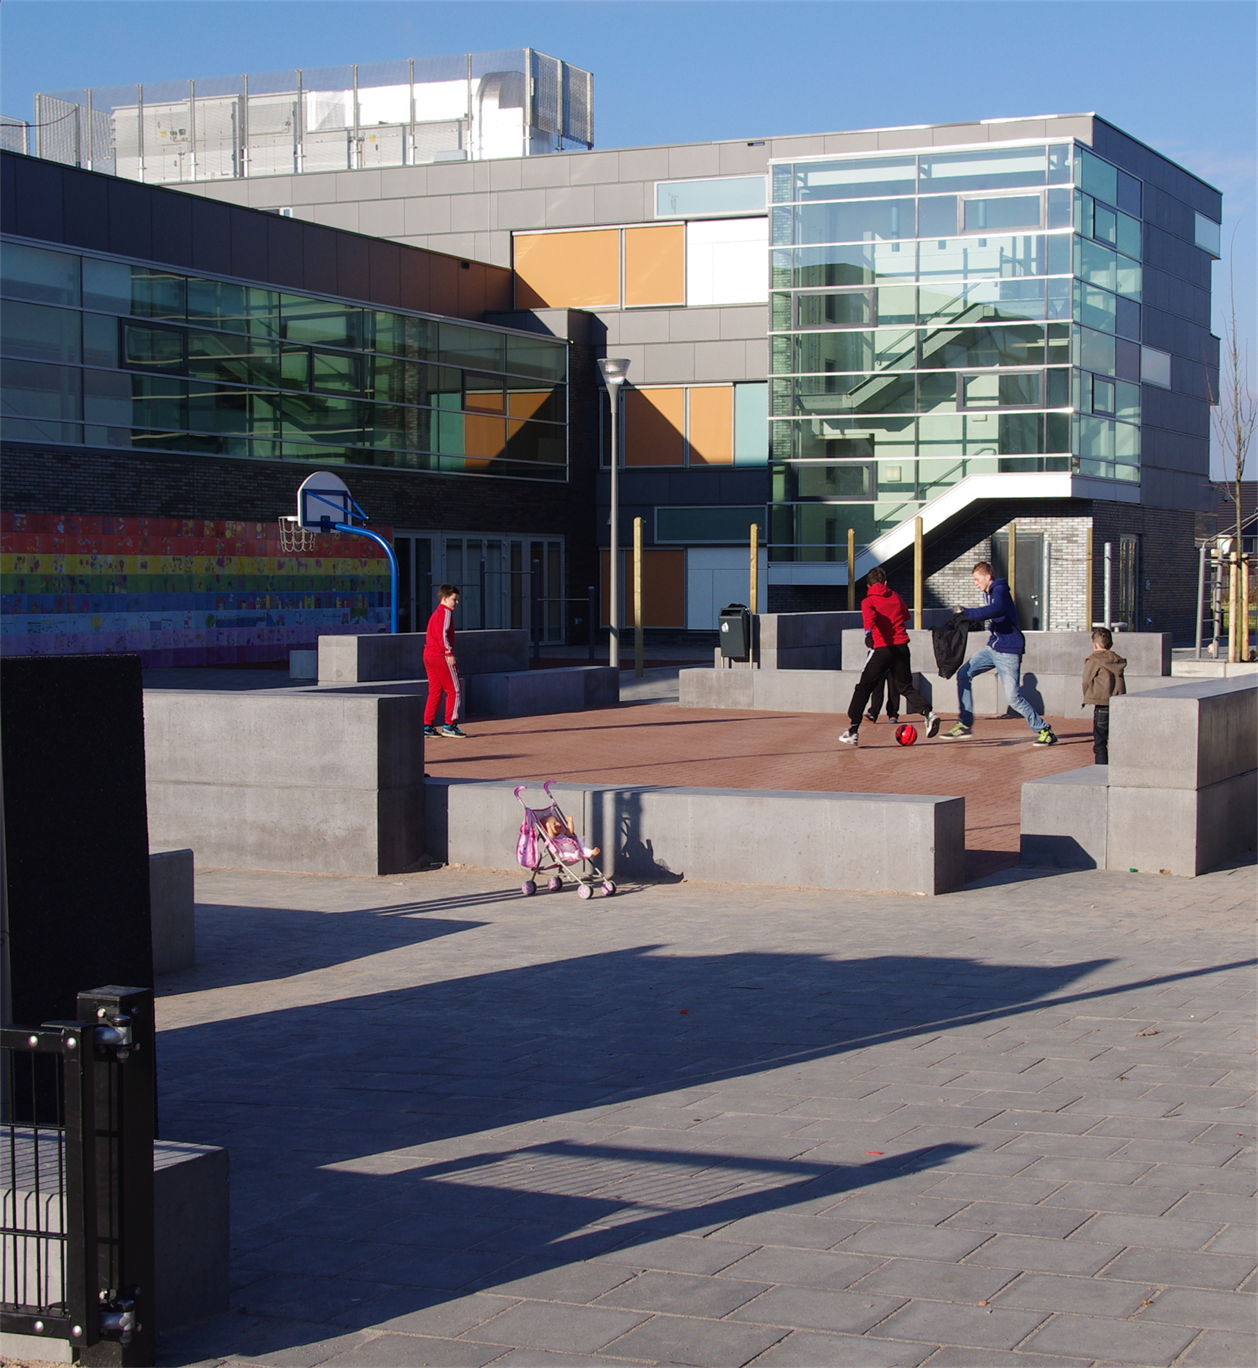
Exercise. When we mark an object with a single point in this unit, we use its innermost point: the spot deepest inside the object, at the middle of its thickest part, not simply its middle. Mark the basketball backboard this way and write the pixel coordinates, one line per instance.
(322, 501)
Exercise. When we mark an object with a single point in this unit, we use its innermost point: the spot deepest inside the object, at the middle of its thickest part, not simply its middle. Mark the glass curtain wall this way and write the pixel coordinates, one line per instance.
(942, 314)
(110, 353)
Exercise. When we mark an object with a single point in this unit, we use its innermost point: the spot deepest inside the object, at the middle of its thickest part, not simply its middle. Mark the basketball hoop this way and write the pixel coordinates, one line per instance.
(294, 538)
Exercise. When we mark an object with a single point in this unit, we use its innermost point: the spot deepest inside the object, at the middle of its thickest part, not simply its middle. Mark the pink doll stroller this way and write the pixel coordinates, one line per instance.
(548, 843)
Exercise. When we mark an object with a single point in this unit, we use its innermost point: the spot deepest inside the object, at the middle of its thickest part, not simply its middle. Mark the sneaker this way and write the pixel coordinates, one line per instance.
(453, 730)
(933, 723)
(893, 718)
(1045, 738)
(959, 733)
(431, 729)
(850, 737)
(873, 717)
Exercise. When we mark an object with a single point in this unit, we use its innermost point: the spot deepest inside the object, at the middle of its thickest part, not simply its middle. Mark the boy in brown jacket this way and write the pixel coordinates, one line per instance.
(1102, 680)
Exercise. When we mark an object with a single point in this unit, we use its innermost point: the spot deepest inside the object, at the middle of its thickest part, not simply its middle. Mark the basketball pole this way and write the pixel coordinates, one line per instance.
(393, 572)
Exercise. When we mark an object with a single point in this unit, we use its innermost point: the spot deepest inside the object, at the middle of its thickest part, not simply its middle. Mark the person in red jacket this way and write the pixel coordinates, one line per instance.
(441, 667)
(884, 615)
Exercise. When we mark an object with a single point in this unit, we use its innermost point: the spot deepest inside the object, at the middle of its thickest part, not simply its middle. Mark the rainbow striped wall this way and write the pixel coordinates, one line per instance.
(179, 591)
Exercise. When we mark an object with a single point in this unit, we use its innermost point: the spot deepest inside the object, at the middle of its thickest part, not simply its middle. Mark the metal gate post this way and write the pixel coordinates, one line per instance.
(122, 1031)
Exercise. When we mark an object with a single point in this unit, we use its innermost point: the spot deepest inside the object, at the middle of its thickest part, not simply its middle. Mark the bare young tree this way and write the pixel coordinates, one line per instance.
(1234, 417)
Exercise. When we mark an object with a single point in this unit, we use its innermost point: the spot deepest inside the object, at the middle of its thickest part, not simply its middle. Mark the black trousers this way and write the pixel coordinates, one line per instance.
(1100, 733)
(882, 659)
(886, 685)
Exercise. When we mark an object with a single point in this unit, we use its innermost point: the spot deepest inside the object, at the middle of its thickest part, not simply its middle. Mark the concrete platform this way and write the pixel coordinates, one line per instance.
(879, 842)
(172, 900)
(375, 656)
(328, 782)
(1065, 819)
(521, 693)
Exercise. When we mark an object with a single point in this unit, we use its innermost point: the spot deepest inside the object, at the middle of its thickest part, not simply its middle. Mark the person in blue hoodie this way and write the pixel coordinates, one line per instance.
(1003, 653)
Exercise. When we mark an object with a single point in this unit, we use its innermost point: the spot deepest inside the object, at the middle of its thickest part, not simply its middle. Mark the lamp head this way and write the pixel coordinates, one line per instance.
(614, 371)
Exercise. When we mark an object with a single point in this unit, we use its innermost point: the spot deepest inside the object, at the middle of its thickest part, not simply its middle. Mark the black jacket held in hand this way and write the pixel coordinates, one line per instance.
(950, 645)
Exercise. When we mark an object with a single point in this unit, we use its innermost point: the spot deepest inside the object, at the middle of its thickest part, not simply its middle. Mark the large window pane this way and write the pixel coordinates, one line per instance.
(852, 309)
(1096, 263)
(472, 347)
(106, 285)
(33, 390)
(540, 443)
(1095, 350)
(856, 264)
(970, 258)
(1095, 176)
(154, 349)
(858, 221)
(320, 320)
(999, 213)
(40, 333)
(233, 358)
(159, 403)
(997, 169)
(1130, 237)
(36, 274)
(842, 394)
(158, 294)
(400, 335)
(1094, 308)
(966, 348)
(890, 348)
(336, 372)
(548, 403)
(238, 308)
(218, 408)
(987, 300)
(529, 356)
(859, 179)
(722, 195)
(1207, 235)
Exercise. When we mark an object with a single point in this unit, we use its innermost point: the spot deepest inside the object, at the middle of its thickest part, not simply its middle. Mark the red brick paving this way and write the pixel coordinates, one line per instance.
(694, 747)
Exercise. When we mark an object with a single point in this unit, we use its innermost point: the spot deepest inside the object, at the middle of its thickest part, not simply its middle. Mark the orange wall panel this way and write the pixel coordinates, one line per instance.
(568, 270)
(712, 425)
(484, 439)
(655, 264)
(655, 425)
(663, 591)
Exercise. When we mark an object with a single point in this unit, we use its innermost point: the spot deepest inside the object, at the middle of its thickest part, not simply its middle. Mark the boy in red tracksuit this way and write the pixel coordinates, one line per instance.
(440, 666)
(884, 615)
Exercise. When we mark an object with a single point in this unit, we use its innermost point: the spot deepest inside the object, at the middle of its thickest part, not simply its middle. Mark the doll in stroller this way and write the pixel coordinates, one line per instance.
(549, 844)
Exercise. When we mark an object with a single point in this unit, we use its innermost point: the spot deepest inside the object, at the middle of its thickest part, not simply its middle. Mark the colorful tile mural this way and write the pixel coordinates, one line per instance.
(179, 591)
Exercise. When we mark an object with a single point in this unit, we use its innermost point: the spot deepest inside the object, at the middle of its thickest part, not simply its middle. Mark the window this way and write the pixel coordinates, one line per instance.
(1000, 213)
(751, 424)
(997, 169)
(726, 262)
(1155, 367)
(858, 179)
(568, 270)
(851, 309)
(673, 426)
(699, 198)
(32, 273)
(1207, 234)
(655, 265)
(996, 389)
(724, 523)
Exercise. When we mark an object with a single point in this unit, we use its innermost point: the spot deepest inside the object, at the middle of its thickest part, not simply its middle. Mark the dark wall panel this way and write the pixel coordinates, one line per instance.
(319, 257)
(130, 218)
(385, 263)
(39, 200)
(248, 238)
(211, 235)
(285, 252)
(353, 269)
(86, 205)
(76, 830)
(172, 229)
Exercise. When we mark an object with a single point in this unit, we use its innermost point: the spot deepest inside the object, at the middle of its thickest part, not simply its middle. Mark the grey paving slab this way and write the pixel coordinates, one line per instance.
(1222, 1349)
(1217, 1310)
(949, 1357)
(519, 1135)
(1113, 1341)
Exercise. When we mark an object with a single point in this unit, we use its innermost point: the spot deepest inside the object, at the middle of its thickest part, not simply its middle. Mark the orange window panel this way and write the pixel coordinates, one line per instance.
(655, 425)
(485, 401)
(712, 425)
(655, 264)
(525, 403)
(484, 439)
(568, 270)
(663, 589)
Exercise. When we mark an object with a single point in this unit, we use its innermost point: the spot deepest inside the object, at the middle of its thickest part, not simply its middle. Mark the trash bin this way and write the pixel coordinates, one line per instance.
(736, 632)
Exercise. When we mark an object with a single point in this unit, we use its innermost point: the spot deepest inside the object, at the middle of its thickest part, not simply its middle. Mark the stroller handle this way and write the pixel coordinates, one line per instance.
(546, 787)
(520, 790)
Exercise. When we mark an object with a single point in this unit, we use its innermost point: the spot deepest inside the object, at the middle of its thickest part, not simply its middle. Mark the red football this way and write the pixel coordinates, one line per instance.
(906, 734)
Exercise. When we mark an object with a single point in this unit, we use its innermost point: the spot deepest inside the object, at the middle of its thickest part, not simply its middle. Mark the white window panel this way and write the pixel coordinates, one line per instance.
(1155, 367)
(727, 261)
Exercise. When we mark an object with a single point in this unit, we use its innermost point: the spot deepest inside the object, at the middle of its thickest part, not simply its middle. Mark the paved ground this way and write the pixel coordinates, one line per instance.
(715, 1125)
(721, 748)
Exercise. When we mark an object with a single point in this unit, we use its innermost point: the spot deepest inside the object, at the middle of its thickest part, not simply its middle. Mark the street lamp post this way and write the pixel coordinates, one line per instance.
(614, 373)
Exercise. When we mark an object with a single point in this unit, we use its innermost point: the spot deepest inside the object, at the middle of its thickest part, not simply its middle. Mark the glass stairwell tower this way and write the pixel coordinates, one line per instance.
(938, 315)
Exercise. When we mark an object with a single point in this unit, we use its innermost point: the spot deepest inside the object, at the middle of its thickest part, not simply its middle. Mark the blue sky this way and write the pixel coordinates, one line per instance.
(1179, 76)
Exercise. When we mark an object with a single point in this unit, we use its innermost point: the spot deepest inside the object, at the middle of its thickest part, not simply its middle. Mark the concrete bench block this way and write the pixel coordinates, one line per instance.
(368, 657)
(702, 688)
(880, 842)
(172, 900)
(191, 1233)
(1182, 831)
(530, 692)
(1065, 819)
(321, 782)
(1184, 736)
(1148, 654)
(191, 1240)
(811, 691)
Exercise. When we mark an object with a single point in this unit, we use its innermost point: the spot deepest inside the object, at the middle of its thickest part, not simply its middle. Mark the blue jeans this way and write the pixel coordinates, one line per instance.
(1009, 669)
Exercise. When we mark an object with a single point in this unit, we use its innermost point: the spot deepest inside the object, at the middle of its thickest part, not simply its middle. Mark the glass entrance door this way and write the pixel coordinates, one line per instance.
(416, 598)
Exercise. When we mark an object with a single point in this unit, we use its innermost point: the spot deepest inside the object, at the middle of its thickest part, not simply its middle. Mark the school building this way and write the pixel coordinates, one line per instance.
(996, 328)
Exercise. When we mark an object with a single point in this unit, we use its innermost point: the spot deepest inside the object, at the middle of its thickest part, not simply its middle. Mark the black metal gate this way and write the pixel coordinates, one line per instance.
(76, 1173)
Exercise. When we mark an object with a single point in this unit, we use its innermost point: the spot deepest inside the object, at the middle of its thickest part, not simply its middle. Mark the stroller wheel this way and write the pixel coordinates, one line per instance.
(528, 888)
(609, 888)
(585, 891)
(553, 884)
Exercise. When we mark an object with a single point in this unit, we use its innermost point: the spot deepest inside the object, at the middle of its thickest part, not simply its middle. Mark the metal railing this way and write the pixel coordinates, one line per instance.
(76, 1160)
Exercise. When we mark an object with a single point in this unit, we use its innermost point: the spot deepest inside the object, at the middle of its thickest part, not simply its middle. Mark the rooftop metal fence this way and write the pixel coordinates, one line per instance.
(471, 106)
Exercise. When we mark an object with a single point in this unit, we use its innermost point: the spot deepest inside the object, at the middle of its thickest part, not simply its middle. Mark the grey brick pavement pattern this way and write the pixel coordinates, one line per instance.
(717, 1126)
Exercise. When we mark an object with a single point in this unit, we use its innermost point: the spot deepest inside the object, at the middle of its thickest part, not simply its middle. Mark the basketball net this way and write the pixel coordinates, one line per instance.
(295, 539)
